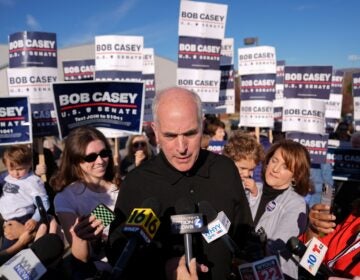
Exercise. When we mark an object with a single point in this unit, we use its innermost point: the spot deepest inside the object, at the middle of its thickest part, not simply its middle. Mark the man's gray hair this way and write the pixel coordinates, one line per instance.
(172, 90)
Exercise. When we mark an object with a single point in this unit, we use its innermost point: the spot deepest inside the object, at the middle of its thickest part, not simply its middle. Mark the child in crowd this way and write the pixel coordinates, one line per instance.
(246, 153)
(18, 190)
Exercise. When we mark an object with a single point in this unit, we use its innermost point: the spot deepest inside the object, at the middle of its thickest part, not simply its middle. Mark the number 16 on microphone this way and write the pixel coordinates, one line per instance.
(144, 222)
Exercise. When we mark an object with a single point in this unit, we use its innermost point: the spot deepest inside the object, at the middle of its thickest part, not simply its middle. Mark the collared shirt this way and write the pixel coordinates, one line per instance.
(213, 178)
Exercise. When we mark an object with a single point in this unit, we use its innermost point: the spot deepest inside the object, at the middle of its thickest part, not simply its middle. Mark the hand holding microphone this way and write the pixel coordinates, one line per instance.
(311, 255)
(34, 262)
(186, 222)
(140, 227)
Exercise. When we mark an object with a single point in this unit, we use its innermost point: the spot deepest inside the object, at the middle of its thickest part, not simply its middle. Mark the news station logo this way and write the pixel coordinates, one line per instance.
(187, 223)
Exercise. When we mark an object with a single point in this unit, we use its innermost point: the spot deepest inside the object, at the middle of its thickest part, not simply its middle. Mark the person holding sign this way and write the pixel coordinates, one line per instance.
(281, 208)
(85, 179)
(18, 191)
(181, 170)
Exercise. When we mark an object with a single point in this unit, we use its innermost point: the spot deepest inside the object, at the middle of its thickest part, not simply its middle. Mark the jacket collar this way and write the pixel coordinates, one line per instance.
(172, 175)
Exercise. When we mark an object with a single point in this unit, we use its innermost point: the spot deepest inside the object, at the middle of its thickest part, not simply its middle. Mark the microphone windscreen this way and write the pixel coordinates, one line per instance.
(153, 203)
(207, 210)
(184, 206)
(48, 248)
(295, 246)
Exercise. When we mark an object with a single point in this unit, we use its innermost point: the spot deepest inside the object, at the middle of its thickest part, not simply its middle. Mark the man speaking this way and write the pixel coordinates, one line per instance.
(181, 170)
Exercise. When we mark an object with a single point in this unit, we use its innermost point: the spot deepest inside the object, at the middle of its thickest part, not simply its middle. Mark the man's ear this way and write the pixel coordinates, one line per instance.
(154, 127)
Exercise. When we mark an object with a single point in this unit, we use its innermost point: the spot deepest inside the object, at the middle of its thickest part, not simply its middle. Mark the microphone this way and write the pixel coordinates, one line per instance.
(311, 255)
(186, 223)
(218, 228)
(140, 227)
(33, 263)
(266, 268)
(43, 213)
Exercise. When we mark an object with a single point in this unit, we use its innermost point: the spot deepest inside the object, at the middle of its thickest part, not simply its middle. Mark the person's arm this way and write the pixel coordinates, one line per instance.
(24, 239)
(13, 229)
(80, 248)
(79, 232)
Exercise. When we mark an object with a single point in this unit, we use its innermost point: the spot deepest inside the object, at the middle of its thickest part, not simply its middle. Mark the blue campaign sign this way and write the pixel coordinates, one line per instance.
(32, 49)
(316, 144)
(216, 146)
(111, 105)
(345, 162)
(79, 70)
(337, 81)
(258, 87)
(44, 122)
(15, 124)
(227, 77)
(199, 53)
(118, 75)
(307, 82)
(356, 84)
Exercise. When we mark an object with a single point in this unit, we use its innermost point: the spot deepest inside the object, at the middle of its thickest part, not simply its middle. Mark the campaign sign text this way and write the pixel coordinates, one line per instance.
(44, 121)
(113, 105)
(199, 53)
(77, 70)
(316, 144)
(258, 87)
(32, 49)
(307, 82)
(15, 125)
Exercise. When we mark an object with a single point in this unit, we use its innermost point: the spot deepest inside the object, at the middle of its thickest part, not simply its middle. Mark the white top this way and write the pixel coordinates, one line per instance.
(80, 200)
(18, 196)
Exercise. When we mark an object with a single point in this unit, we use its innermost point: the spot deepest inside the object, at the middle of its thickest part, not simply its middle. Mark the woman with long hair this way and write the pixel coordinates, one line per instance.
(85, 179)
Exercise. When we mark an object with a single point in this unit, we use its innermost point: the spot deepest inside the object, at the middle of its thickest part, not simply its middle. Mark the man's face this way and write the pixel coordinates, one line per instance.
(178, 133)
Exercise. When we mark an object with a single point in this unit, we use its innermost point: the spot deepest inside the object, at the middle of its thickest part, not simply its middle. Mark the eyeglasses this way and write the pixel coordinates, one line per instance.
(139, 144)
(93, 156)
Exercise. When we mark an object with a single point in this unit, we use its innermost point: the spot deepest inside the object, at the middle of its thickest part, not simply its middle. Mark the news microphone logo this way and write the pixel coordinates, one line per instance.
(144, 222)
(24, 265)
(217, 228)
(187, 223)
(313, 255)
(264, 269)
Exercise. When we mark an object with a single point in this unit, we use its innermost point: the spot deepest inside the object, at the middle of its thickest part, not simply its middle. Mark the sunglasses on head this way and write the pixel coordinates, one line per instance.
(139, 144)
(93, 156)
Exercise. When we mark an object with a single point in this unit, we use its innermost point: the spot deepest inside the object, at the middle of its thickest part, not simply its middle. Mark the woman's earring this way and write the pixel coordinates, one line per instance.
(293, 183)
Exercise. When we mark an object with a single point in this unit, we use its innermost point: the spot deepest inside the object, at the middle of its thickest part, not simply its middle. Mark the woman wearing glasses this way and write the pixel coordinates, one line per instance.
(138, 151)
(86, 178)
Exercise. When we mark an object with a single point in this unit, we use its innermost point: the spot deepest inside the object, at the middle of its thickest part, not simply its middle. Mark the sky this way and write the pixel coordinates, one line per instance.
(304, 32)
